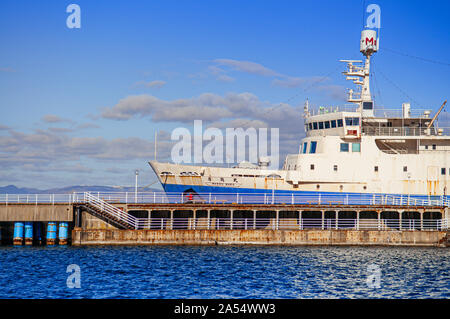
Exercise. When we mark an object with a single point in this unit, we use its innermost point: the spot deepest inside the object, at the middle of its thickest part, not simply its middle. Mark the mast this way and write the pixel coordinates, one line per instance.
(360, 74)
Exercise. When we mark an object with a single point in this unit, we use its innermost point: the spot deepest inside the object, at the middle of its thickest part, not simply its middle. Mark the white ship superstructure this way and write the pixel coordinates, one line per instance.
(354, 150)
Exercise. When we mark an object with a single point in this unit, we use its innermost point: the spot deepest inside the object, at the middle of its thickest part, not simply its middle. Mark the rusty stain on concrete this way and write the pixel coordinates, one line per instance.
(258, 237)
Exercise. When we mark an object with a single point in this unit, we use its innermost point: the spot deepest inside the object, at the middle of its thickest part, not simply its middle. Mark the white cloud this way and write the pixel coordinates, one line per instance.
(50, 118)
(87, 126)
(247, 66)
(207, 106)
(279, 79)
(157, 84)
(225, 78)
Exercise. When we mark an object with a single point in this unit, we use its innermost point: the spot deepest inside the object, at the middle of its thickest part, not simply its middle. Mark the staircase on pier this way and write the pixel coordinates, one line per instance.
(113, 215)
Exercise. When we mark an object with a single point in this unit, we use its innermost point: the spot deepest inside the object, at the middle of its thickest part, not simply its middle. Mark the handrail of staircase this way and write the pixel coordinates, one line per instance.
(110, 209)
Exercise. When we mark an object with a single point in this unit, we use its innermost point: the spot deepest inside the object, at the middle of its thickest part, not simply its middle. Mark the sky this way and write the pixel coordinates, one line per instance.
(80, 106)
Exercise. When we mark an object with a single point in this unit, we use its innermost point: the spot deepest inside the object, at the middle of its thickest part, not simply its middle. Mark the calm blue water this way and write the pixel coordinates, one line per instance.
(224, 272)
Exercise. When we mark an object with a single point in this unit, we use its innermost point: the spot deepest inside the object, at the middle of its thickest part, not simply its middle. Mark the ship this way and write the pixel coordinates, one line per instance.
(356, 151)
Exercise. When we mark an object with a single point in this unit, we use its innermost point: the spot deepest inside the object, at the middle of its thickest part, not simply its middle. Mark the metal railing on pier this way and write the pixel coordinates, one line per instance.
(231, 198)
(102, 203)
(290, 224)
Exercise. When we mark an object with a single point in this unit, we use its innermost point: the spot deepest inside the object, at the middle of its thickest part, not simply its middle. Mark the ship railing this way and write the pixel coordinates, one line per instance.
(398, 113)
(230, 198)
(210, 223)
(404, 131)
(333, 109)
(378, 111)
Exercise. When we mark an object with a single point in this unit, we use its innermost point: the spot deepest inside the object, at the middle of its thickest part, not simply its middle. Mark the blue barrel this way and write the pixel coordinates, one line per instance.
(51, 233)
(18, 233)
(29, 233)
(63, 227)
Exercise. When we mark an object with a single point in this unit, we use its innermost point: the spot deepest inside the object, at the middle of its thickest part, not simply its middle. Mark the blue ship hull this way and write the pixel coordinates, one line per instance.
(300, 197)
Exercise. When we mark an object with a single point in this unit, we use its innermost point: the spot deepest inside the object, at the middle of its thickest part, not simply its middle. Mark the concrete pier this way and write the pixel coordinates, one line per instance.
(259, 237)
(223, 223)
(38, 233)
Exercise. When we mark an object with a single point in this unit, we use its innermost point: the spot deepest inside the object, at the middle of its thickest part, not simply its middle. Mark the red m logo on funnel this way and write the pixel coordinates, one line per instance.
(371, 41)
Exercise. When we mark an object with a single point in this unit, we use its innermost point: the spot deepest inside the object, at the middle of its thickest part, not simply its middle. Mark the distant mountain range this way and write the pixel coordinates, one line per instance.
(12, 189)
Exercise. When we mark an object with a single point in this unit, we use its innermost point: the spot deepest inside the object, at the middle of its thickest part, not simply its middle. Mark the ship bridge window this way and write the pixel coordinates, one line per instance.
(367, 105)
(327, 124)
(166, 173)
(443, 171)
(315, 126)
(312, 147)
(344, 147)
(305, 145)
(310, 126)
(333, 123)
(434, 146)
(352, 121)
(356, 147)
(340, 123)
(320, 125)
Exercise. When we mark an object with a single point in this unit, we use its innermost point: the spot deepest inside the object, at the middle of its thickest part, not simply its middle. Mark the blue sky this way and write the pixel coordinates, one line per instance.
(81, 106)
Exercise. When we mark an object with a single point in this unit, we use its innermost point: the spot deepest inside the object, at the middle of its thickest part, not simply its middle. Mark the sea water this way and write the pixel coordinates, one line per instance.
(224, 272)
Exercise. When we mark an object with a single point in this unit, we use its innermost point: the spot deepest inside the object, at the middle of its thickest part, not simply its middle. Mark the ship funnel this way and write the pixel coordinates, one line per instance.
(369, 42)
